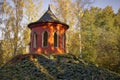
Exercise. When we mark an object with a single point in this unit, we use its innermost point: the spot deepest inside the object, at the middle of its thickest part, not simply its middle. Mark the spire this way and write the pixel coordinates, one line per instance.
(49, 7)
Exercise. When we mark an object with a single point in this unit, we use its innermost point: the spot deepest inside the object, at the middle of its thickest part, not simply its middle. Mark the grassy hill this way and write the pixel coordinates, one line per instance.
(53, 67)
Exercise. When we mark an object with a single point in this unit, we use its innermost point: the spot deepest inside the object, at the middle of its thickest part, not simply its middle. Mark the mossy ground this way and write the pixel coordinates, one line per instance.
(53, 67)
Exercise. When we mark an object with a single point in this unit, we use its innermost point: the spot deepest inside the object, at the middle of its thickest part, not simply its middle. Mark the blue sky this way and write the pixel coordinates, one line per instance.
(103, 3)
(98, 3)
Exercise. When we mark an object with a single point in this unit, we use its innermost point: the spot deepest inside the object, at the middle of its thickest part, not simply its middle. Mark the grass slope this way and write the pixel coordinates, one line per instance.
(53, 67)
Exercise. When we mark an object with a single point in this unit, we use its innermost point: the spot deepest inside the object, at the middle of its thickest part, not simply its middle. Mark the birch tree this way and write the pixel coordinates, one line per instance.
(71, 13)
(15, 32)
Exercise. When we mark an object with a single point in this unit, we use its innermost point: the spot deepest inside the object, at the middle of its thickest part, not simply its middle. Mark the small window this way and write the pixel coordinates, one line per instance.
(56, 38)
(45, 39)
(34, 40)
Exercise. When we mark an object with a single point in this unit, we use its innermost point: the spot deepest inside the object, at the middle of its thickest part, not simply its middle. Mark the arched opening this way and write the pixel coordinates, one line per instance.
(45, 39)
(56, 38)
(34, 40)
(63, 40)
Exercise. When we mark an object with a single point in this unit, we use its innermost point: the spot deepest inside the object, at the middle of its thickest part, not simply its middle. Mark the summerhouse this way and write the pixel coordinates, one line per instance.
(48, 34)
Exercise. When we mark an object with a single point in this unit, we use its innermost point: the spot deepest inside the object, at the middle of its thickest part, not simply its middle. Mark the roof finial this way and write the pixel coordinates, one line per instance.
(49, 7)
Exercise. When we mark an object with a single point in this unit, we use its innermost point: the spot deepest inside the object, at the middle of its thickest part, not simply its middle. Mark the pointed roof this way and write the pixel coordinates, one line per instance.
(48, 17)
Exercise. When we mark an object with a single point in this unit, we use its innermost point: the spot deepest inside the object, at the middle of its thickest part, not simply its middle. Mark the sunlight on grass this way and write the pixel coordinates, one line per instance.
(42, 69)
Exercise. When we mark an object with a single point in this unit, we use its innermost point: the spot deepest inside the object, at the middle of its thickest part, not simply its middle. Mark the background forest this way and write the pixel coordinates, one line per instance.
(93, 34)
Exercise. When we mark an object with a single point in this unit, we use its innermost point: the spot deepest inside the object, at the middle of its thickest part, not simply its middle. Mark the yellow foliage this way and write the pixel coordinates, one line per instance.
(15, 32)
